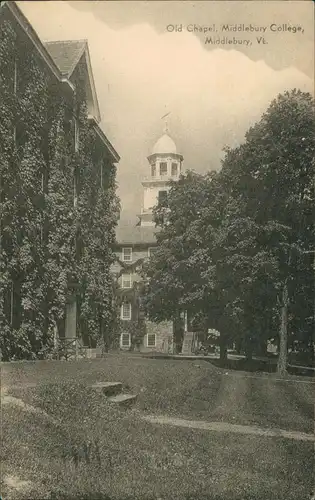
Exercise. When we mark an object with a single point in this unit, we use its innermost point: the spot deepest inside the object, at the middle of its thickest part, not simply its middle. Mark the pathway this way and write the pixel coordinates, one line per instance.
(231, 428)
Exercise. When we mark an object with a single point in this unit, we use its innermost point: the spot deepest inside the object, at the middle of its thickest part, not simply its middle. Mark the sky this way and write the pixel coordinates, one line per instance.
(147, 62)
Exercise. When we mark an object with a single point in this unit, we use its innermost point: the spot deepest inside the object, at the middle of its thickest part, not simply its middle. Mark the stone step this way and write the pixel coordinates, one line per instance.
(108, 388)
(123, 399)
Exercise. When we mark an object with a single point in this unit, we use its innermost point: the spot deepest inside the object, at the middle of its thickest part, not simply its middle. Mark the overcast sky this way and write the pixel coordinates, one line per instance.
(142, 71)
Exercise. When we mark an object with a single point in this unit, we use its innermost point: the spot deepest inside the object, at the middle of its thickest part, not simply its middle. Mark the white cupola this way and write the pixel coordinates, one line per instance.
(165, 166)
(164, 144)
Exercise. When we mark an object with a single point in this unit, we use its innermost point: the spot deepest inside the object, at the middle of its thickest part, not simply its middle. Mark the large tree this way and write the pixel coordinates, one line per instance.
(237, 245)
(182, 275)
(271, 181)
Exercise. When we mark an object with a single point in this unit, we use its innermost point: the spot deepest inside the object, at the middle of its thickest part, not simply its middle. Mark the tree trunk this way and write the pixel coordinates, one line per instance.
(249, 350)
(238, 346)
(223, 348)
(283, 334)
(178, 332)
(263, 348)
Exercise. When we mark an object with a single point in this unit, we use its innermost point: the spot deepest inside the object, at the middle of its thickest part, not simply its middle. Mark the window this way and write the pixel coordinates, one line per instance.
(153, 171)
(126, 281)
(151, 340)
(125, 340)
(101, 174)
(15, 78)
(20, 134)
(127, 254)
(174, 169)
(163, 168)
(151, 251)
(75, 189)
(76, 135)
(162, 196)
(126, 311)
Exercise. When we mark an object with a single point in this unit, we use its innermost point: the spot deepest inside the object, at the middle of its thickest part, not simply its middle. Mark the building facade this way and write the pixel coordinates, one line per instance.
(135, 244)
(57, 189)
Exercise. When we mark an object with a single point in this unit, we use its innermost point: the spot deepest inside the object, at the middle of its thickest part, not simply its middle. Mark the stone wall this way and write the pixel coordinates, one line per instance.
(164, 337)
(164, 330)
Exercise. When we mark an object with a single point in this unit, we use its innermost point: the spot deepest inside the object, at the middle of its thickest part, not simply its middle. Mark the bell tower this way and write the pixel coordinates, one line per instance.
(165, 164)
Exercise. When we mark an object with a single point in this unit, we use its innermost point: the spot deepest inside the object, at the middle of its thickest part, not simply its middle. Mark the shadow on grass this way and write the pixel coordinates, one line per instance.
(268, 365)
(259, 366)
(245, 365)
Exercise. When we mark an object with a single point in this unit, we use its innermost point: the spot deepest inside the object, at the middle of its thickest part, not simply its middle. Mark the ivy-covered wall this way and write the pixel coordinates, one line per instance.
(58, 206)
(136, 326)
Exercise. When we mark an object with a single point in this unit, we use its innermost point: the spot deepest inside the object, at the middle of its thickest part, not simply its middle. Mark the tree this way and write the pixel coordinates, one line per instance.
(271, 180)
(233, 245)
(181, 274)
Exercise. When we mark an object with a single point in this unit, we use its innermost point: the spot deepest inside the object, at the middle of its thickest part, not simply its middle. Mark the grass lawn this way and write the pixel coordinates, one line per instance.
(141, 461)
(186, 389)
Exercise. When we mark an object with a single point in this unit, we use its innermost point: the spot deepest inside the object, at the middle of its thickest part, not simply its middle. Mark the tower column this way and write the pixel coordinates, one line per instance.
(164, 151)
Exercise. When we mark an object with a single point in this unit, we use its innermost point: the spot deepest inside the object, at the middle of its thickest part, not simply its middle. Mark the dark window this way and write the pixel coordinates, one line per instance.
(163, 168)
(76, 135)
(151, 251)
(174, 169)
(127, 254)
(101, 174)
(75, 188)
(125, 340)
(15, 77)
(162, 196)
(126, 281)
(126, 311)
(151, 340)
(20, 134)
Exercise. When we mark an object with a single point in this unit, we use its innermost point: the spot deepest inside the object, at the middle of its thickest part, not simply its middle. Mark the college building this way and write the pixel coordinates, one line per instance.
(57, 168)
(135, 244)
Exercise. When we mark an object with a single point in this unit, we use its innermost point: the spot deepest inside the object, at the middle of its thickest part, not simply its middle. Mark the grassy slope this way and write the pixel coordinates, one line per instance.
(187, 389)
(142, 461)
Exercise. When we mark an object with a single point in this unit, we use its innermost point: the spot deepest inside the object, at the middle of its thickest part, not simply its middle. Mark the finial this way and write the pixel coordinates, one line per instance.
(165, 124)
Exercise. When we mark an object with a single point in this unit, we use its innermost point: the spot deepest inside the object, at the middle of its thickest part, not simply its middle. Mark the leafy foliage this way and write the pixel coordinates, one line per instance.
(136, 326)
(236, 246)
(51, 248)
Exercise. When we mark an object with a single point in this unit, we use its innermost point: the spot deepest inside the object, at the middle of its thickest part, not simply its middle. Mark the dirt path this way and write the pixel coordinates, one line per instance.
(193, 424)
(7, 399)
(230, 428)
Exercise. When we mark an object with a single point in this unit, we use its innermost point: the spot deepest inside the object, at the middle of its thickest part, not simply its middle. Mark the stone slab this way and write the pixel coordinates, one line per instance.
(123, 398)
(108, 387)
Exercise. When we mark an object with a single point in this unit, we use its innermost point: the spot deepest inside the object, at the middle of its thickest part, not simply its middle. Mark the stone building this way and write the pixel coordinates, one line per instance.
(136, 243)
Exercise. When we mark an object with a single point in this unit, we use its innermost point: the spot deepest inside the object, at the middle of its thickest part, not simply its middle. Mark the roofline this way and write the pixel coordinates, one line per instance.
(84, 41)
(91, 78)
(90, 71)
(164, 155)
(135, 244)
(115, 156)
(67, 82)
(31, 33)
(86, 52)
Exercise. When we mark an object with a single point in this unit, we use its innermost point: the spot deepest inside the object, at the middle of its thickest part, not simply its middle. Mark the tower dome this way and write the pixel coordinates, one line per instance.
(164, 144)
(165, 166)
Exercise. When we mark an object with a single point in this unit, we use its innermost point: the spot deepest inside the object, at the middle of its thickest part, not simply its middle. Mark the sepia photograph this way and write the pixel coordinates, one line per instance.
(157, 250)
